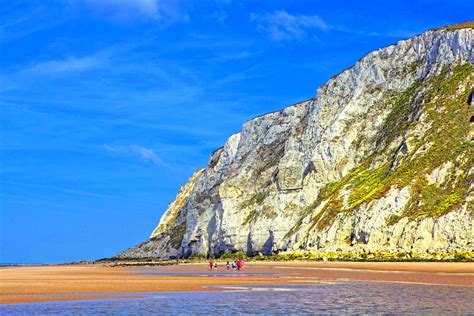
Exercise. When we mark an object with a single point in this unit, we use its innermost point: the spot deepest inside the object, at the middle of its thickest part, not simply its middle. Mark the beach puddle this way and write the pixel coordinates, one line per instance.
(336, 298)
(251, 288)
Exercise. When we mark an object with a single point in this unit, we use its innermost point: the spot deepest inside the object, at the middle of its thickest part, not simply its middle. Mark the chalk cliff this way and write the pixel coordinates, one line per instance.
(380, 162)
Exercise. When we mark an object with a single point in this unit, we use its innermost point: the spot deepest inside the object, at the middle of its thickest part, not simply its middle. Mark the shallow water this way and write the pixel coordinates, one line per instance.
(336, 298)
(170, 271)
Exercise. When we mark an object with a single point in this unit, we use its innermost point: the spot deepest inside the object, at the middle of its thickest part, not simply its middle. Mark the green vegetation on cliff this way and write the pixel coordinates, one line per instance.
(439, 107)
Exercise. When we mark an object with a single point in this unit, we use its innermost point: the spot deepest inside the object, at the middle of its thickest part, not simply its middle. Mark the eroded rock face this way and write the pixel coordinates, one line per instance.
(377, 161)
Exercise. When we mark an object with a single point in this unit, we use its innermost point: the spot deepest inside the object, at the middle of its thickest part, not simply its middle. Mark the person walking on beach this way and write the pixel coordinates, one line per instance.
(233, 265)
(227, 265)
(238, 264)
(211, 265)
(215, 265)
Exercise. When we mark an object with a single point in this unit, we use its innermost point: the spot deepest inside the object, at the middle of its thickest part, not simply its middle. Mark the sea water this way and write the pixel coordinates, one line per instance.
(328, 297)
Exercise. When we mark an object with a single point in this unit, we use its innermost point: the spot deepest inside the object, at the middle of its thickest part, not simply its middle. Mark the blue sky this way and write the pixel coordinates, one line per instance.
(107, 107)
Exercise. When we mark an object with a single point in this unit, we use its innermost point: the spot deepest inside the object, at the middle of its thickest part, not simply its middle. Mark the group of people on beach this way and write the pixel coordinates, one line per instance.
(236, 265)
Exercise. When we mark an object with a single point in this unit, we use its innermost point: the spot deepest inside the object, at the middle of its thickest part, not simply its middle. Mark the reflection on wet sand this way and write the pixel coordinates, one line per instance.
(325, 297)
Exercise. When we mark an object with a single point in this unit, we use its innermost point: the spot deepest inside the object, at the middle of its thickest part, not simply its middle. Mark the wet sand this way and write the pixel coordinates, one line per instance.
(78, 282)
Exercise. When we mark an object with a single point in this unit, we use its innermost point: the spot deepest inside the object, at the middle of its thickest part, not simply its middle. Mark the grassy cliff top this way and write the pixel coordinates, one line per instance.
(463, 25)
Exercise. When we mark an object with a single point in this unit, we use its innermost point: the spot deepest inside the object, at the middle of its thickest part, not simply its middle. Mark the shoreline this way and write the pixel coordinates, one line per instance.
(25, 284)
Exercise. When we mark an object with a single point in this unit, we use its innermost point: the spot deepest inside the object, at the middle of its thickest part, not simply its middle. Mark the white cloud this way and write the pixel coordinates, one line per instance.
(143, 153)
(126, 9)
(129, 10)
(390, 33)
(280, 25)
(67, 65)
(61, 189)
(220, 15)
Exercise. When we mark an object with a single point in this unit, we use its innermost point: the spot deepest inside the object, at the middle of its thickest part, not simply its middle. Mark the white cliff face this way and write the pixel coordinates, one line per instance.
(171, 215)
(355, 169)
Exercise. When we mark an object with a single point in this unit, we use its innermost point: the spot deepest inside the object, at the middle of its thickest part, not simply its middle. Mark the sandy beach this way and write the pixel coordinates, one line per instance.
(77, 282)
